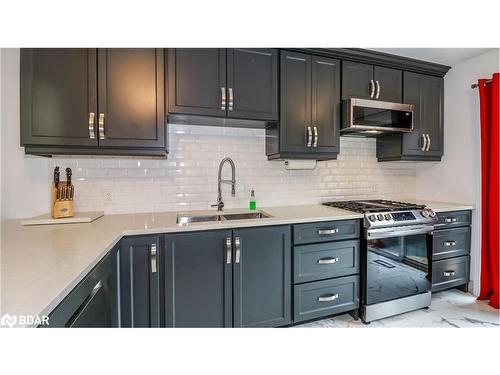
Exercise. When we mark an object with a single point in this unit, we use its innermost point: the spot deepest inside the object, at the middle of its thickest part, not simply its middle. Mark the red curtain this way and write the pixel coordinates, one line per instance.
(490, 123)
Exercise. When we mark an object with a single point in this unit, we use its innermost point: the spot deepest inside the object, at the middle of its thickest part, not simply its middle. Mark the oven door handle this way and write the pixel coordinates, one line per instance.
(372, 234)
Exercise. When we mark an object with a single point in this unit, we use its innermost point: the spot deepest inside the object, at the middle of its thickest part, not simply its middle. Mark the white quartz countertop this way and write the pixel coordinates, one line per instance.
(40, 265)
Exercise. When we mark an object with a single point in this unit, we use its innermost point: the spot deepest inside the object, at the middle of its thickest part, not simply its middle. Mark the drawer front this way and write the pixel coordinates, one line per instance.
(325, 260)
(325, 231)
(450, 243)
(324, 298)
(453, 219)
(449, 273)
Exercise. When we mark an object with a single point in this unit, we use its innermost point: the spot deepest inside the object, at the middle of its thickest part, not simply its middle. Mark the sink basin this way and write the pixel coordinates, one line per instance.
(185, 219)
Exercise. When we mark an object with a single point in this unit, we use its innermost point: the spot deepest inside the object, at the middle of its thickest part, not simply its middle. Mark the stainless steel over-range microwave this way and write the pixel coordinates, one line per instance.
(374, 118)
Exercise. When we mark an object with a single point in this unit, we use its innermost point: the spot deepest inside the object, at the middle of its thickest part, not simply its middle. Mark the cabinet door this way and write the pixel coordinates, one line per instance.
(295, 93)
(197, 81)
(252, 80)
(262, 277)
(131, 97)
(326, 104)
(94, 302)
(198, 281)
(413, 94)
(433, 114)
(390, 82)
(356, 78)
(58, 97)
(140, 281)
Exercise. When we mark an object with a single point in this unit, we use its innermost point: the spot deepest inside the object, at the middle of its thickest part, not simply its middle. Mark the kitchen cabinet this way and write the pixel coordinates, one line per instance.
(228, 278)
(93, 303)
(262, 277)
(93, 101)
(239, 83)
(310, 109)
(450, 251)
(198, 279)
(140, 292)
(367, 81)
(425, 142)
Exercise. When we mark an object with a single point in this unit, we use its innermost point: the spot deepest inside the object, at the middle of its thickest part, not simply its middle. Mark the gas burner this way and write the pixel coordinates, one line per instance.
(377, 205)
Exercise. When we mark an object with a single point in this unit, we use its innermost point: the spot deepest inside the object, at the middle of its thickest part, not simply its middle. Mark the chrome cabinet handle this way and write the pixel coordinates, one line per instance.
(237, 245)
(152, 256)
(450, 220)
(449, 273)
(223, 98)
(91, 125)
(428, 142)
(228, 250)
(378, 89)
(450, 243)
(328, 297)
(101, 126)
(424, 144)
(316, 136)
(327, 232)
(309, 137)
(231, 101)
(328, 260)
(372, 88)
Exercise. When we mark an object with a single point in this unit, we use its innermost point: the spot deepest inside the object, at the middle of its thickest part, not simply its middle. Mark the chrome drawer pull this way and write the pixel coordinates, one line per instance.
(316, 136)
(372, 88)
(328, 297)
(91, 125)
(237, 245)
(449, 273)
(101, 126)
(328, 260)
(450, 243)
(377, 95)
(309, 137)
(223, 98)
(450, 220)
(231, 101)
(327, 232)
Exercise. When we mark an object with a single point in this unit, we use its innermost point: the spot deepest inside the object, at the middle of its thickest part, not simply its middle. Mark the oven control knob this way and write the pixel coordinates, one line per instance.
(372, 218)
(380, 217)
(424, 213)
(432, 213)
(388, 216)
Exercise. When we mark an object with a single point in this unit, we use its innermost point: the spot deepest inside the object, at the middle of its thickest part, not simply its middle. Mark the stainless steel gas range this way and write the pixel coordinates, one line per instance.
(395, 258)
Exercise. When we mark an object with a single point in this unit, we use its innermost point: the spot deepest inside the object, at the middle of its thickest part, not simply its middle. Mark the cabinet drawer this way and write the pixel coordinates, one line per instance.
(453, 219)
(324, 298)
(325, 231)
(449, 273)
(450, 243)
(325, 260)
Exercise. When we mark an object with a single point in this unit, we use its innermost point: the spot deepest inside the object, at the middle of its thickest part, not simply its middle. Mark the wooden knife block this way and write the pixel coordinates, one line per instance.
(61, 207)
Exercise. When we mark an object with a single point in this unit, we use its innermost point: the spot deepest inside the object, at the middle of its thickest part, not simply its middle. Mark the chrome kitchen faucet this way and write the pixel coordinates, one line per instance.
(232, 181)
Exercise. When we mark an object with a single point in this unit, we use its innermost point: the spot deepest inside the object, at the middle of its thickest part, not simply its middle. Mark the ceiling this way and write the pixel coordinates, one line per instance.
(445, 56)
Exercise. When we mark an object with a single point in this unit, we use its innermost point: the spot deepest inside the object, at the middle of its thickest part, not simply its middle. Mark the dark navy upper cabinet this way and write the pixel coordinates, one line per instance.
(94, 302)
(198, 279)
(93, 101)
(140, 281)
(310, 109)
(262, 277)
(366, 81)
(239, 83)
(425, 142)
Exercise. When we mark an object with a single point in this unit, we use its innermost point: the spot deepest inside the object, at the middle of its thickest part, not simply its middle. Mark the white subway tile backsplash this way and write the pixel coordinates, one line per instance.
(188, 178)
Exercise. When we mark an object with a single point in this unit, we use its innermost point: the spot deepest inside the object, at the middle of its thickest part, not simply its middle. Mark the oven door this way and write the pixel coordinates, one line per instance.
(375, 117)
(397, 262)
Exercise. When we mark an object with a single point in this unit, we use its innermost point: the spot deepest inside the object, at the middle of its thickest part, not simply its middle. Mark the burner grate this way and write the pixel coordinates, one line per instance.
(377, 205)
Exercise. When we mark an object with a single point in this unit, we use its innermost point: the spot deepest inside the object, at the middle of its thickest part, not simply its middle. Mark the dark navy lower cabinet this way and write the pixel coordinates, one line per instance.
(140, 292)
(94, 302)
(198, 279)
(262, 277)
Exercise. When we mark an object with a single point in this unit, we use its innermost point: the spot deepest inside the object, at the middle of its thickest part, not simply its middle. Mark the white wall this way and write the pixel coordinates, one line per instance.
(188, 178)
(457, 177)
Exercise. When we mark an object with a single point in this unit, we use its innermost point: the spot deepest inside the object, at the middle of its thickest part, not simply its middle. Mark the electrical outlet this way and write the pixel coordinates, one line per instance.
(107, 196)
(374, 188)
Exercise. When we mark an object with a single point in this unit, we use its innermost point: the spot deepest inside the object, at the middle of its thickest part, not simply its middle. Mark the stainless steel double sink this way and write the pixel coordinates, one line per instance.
(185, 218)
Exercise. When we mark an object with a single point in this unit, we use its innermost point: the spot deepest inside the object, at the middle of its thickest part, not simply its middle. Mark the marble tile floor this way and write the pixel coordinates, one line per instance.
(449, 309)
